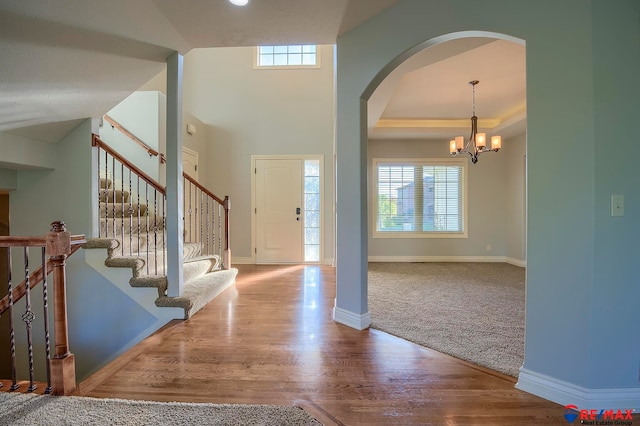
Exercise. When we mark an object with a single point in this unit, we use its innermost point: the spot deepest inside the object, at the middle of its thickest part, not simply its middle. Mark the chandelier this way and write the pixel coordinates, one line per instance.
(477, 143)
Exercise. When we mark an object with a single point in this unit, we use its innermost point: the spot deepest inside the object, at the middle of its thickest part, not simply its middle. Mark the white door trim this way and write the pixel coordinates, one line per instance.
(320, 159)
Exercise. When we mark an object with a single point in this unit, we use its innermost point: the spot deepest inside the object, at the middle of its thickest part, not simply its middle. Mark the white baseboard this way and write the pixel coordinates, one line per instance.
(252, 261)
(242, 260)
(353, 320)
(437, 259)
(516, 262)
(565, 393)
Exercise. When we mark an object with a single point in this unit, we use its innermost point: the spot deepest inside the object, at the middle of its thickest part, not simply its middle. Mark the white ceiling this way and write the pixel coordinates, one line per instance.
(65, 60)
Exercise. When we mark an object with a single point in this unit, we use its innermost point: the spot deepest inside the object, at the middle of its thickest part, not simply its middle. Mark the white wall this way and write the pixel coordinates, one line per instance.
(487, 214)
(582, 287)
(259, 112)
(140, 114)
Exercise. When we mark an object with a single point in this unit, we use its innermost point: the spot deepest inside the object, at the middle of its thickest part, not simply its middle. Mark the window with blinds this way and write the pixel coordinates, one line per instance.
(420, 198)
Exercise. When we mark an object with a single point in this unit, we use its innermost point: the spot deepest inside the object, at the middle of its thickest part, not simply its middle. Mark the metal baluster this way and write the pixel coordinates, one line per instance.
(106, 198)
(12, 336)
(146, 192)
(207, 224)
(184, 208)
(131, 215)
(99, 194)
(190, 212)
(219, 233)
(113, 174)
(28, 318)
(200, 217)
(155, 230)
(45, 296)
(164, 233)
(139, 218)
(121, 202)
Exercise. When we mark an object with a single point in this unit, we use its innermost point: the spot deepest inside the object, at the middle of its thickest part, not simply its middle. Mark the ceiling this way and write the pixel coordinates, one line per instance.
(65, 60)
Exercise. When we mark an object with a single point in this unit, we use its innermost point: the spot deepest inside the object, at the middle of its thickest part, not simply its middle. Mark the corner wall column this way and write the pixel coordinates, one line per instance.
(174, 225)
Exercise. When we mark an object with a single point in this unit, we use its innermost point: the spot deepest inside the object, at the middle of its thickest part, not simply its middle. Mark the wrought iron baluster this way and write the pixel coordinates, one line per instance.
(155, 230)
(122, 207)
(146, 191)
(106, 197)
(12, 334)
(207, 224)
(130, 215)
(139, 217)
(45, 296)
(219, 232)
(164, 233)
(99, 193)
(28, 318)
(113, 175)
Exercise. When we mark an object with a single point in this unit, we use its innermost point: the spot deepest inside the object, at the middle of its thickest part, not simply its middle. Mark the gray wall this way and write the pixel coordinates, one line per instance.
(103, 321)
(582, 287)
(259, 112)
(514, 151)
(487, 202)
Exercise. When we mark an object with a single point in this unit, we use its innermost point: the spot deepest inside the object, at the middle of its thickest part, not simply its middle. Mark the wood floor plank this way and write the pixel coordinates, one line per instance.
(272, 341)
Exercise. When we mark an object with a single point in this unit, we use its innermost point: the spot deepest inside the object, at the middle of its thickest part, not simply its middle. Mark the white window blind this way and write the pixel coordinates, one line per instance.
(420, 197)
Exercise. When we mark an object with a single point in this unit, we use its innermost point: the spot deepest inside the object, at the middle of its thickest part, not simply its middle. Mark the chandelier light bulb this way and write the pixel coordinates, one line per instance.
(239, 2)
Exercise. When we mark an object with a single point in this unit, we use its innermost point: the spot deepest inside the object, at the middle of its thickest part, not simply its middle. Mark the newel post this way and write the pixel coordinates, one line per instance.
(226, 257)
(63, 367)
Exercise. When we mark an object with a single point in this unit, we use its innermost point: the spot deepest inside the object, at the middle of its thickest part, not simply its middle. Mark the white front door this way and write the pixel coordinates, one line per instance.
(278, 212)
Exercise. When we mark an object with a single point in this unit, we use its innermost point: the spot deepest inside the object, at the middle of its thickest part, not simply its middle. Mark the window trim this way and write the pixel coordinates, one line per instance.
(256, 54)
(463, 162)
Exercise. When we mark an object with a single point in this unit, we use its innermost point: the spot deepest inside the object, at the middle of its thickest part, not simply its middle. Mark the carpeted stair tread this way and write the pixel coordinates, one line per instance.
(200, 291)
(196, 267)
(191, 250)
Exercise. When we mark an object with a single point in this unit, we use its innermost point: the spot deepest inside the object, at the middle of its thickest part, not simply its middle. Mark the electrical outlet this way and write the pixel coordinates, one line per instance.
(488, 247)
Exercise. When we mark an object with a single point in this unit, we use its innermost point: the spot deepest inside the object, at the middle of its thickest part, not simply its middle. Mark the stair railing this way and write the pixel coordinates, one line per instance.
(206, 220)
(58, 245)
(138, 225)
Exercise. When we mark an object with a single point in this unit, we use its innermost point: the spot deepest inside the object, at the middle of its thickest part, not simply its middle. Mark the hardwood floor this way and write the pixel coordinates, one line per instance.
(273, 342)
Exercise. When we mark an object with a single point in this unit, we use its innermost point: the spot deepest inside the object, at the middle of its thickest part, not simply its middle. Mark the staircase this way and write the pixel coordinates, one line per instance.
(135, 240)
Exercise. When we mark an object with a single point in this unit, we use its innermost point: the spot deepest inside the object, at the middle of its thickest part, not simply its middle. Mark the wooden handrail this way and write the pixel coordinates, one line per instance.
(58, 245)
(202, 188)
(36, 277)
(130, 135)
(96, 141)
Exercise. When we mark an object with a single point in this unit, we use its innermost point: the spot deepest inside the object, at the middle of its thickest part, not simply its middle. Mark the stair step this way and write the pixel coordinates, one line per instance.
(199, 266)
(114, 196)
(122, 209)
(200, 291)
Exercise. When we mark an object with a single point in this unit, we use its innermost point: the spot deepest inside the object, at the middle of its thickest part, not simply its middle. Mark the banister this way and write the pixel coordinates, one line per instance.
(36, 276)
(202, 188)
(58, 244)
(96, 141)
(130, 135)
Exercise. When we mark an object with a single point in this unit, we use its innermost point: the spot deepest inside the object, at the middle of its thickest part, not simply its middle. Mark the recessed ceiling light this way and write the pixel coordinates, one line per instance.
(239, 2)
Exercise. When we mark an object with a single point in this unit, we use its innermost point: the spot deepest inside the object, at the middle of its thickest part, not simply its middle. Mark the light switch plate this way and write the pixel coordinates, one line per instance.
(617, 205)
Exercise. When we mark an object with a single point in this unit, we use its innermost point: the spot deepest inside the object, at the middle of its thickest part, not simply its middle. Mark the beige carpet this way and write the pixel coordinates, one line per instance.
(30, 409)
(473, 311)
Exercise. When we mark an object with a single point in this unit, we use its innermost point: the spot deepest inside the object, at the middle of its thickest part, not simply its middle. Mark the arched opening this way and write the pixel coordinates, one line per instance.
(463, 294)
